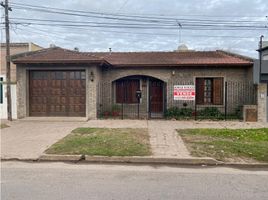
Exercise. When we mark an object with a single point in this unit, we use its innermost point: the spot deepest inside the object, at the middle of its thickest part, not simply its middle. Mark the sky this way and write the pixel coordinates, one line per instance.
(140, 25)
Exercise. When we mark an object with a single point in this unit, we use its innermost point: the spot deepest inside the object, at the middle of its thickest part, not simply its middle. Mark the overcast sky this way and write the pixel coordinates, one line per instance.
(85, 38)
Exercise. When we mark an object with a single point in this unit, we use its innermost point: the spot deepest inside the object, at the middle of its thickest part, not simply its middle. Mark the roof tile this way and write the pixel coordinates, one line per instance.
(58, 55)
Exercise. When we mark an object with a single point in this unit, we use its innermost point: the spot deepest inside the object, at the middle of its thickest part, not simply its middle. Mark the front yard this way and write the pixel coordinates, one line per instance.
(104, 142)
(236, 145)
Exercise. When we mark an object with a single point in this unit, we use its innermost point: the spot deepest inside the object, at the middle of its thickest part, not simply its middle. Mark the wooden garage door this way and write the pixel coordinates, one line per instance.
(57, 93)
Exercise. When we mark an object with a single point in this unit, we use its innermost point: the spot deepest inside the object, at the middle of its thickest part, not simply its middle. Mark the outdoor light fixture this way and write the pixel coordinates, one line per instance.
(91, 76)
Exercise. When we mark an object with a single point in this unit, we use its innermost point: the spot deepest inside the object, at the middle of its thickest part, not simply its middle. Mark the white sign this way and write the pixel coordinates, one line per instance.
(184, 92)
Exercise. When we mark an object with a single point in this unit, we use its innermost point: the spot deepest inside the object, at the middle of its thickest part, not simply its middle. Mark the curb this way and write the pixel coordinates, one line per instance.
(204, 161)
(151, 160)
(20, 159)
(245, 165)
(68, 158)
(129, 159)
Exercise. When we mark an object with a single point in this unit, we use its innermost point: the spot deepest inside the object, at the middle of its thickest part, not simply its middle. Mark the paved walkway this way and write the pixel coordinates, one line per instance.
(27, 139)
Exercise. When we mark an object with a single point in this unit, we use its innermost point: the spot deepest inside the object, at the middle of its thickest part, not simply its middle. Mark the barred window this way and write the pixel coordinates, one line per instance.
(209, 91)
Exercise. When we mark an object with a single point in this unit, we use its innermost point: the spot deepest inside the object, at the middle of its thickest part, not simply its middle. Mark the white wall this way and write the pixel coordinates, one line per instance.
(3, 106)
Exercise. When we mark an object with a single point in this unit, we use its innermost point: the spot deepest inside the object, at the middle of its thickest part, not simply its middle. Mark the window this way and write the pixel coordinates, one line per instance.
(126, 90)
(78, 75)
(209, 91)
(1, 90)
(39, 75)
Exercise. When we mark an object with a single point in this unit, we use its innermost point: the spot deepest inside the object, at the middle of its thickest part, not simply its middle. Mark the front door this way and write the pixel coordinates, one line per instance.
(156, 96)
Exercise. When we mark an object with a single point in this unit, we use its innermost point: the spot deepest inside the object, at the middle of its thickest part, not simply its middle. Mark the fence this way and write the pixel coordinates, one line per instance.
(234, 95)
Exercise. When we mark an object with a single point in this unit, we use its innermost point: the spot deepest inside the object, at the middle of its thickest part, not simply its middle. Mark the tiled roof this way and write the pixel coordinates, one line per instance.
(55, 55)
(185, 58)
(174, 58)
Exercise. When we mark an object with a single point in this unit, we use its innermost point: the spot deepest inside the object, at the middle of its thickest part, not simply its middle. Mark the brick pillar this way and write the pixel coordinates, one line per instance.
(262, 104)
(91, 91)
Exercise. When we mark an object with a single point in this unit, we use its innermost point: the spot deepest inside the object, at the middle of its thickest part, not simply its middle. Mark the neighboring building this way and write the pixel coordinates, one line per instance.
(60, 82)
(261, 77)
(15, 48)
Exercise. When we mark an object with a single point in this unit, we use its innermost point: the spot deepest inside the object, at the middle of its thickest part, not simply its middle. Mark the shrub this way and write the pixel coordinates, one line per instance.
(210, 113)
(179, 113)
(239, 112)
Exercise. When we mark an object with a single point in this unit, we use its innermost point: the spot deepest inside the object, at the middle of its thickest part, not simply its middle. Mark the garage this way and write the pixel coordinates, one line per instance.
(57, 93)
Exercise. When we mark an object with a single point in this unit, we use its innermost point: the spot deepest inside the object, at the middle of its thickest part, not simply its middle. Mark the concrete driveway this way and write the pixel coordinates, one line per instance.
(29, 139)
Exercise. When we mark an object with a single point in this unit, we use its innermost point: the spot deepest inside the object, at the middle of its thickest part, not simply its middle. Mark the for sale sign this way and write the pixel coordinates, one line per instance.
(184, 92)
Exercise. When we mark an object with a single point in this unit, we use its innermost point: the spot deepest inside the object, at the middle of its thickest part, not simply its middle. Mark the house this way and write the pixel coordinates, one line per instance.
(61, 82)
(261, 77)
(15, 48)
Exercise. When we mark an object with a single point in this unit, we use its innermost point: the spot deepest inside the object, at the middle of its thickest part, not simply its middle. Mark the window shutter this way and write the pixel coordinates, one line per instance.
(134, 86)
(119, 91)
(200, 90)
(126, 91)
(218, 91)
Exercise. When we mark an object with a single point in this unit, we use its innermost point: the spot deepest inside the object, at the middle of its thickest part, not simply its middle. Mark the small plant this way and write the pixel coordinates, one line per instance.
(239, 112)
(106, 114)
(210, 113)
(178, 113)
(115, 110)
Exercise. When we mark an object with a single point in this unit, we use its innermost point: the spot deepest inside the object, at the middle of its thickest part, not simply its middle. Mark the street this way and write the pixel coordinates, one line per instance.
(38, 181)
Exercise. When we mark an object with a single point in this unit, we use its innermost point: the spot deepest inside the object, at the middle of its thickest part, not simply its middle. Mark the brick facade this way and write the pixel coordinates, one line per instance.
(103, 69)
(170, 77)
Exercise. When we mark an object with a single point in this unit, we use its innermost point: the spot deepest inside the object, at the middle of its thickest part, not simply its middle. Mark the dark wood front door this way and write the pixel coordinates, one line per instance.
(156, 96)
(57, 93)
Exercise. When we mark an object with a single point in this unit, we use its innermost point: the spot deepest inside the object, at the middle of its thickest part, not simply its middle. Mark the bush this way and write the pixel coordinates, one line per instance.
(239, 112)
(210, 113)
(179, 113)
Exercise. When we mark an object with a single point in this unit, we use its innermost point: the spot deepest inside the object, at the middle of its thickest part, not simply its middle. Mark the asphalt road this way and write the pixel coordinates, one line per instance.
(40, 181)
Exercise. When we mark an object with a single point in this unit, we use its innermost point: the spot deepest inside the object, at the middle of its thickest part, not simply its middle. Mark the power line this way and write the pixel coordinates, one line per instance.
(139, 15)
(144, 33)
(121, 16)
(165, 27)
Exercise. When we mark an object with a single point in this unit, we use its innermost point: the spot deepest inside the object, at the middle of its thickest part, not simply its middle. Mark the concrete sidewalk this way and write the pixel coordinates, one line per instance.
(27, 139)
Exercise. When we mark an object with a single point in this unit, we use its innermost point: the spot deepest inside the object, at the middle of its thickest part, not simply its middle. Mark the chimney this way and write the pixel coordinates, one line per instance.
(76, 49)
(52, 45)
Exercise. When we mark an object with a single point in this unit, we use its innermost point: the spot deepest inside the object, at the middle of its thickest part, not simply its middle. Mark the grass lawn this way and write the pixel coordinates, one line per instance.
(3, 126)
(247, 145)
(104, 141)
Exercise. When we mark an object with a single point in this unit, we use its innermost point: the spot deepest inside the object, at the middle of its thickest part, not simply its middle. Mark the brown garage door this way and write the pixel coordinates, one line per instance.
(57, 93)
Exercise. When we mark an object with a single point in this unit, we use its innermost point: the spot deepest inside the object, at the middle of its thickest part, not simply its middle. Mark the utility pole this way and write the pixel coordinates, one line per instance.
(260, 57)
(9, 108)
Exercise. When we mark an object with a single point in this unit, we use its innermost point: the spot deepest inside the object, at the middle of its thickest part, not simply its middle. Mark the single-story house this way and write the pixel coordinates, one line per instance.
(61, 82)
